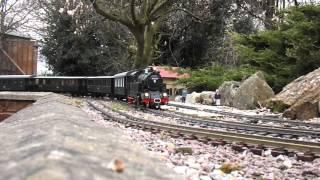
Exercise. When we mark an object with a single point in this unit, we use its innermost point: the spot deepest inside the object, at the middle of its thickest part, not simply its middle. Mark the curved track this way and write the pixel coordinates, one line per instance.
(240, 127)
(208, 134)
(252, 117)
(236, 126)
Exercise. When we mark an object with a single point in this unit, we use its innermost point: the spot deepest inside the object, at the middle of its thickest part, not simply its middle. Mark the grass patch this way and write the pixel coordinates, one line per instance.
(118, 106)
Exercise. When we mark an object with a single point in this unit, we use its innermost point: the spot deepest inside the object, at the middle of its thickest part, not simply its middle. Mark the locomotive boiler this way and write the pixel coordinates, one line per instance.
(143, 86)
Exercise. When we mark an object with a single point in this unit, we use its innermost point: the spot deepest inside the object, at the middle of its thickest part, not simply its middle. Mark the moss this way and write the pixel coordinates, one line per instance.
(277, 106)
(229, 167)
(118, 106)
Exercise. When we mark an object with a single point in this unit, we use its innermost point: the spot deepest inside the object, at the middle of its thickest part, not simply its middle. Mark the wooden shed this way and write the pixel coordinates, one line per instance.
(18, 56)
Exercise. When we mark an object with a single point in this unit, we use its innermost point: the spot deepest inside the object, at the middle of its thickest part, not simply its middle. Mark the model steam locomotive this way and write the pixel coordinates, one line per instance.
(141, 86)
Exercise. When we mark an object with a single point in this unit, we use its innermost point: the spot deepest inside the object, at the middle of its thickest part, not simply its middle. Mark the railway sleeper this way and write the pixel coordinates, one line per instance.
(240, 146)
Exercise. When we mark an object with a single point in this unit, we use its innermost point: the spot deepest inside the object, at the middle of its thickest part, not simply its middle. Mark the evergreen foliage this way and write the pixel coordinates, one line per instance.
(79, 42)
(288, 52)
(210, 78)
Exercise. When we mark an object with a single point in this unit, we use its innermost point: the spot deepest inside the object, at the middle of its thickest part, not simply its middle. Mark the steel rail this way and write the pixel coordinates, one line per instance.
(242, 126)
(253, 117)
(214, 134)
(238, 125)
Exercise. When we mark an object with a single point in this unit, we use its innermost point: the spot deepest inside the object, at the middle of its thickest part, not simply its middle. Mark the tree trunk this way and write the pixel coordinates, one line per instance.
(144, 39)
(270, 10)
(1, 40)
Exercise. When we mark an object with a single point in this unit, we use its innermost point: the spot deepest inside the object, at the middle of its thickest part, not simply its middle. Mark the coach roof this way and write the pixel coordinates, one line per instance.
(14, 76)
(59, 77)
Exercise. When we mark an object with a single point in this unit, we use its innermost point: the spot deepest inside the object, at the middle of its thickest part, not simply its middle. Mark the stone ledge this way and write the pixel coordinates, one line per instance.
(27, 96)
(55, 140)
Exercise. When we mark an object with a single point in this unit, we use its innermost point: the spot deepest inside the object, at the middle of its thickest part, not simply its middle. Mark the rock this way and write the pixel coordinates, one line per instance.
(170, 147)
(267, 152)
(253, 92)
(309, 174)
(249, 94)
(195, 166)
(299, 99)
(184, 150)
(287, 163)
(192, 174)
(193, 98)
(206, 97)
(229, 167)
(177, 98)
(205, 178)
(280, 158)
(228, 91)
(217, 174)
(181, 169)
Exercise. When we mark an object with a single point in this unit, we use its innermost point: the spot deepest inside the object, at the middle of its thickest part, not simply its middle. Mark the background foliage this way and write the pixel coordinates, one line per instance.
(79, 42)
(288, 52)
(234, 39)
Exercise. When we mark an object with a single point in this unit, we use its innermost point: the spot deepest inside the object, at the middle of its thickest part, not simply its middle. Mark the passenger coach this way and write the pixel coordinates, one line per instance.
(60, 84)
(15, 82)
(100, 85)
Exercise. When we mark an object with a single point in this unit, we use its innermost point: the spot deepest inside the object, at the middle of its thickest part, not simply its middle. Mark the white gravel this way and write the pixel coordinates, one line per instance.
(176, 121)
(257, 112)
(205, 161)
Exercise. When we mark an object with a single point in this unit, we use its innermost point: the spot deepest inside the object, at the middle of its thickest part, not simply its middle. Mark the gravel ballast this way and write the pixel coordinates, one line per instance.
(197, 160)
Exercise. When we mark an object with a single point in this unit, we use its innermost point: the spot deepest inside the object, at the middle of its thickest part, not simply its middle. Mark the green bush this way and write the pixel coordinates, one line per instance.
(210, 78)
(288, 52)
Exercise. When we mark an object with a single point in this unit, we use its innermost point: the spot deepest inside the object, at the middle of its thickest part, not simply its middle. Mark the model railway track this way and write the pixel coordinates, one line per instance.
(210, 135)
(252, 117)
(289, 133)
(241, 127)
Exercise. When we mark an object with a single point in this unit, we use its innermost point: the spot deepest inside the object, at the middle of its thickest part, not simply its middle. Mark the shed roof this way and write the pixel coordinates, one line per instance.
(170, 72)
(18, 35)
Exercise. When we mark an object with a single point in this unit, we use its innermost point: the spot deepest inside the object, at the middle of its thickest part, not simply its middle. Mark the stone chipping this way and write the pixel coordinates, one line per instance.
(200, 161)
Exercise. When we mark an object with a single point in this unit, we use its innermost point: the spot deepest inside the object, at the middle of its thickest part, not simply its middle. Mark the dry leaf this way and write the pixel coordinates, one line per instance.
(116, 165)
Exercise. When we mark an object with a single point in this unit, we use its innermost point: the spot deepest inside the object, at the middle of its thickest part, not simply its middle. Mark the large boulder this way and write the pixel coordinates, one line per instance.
(193, 98)
(206, 97)
(228, 91)
(299, 99)
(249, 94)
(253, 92)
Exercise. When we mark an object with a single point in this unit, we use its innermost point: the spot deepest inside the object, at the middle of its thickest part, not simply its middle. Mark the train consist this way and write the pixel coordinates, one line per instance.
(142, 86)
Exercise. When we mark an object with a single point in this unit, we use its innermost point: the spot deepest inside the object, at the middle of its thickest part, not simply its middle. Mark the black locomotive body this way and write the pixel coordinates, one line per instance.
(142, 86)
